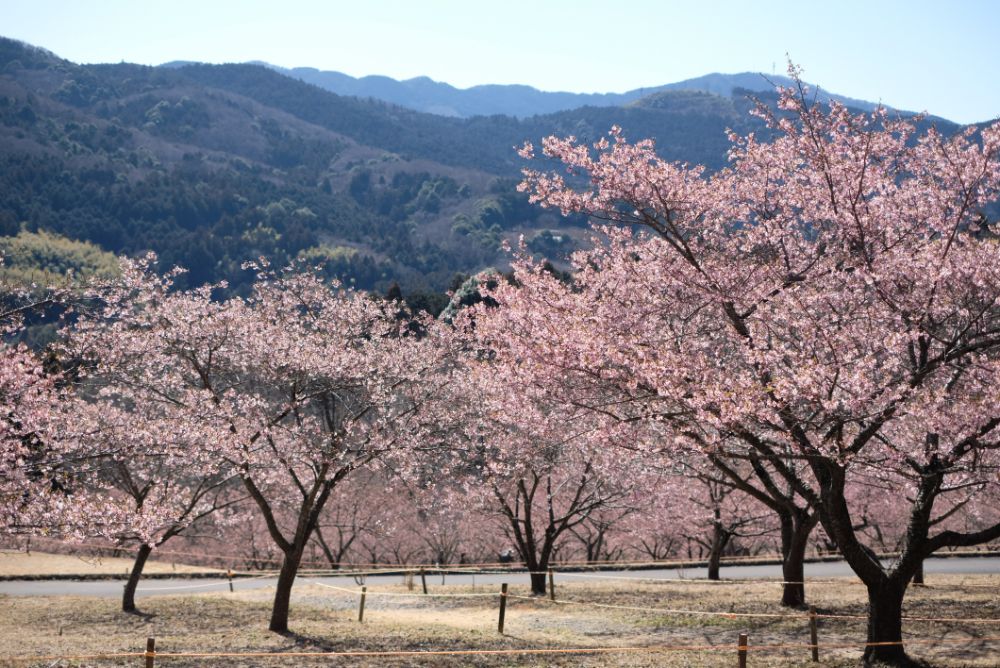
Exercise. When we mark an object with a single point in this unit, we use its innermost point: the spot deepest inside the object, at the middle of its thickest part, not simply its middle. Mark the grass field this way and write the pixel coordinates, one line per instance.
(325, 620)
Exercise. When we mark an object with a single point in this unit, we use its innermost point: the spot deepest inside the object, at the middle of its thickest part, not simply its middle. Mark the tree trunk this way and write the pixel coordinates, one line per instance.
(719, 540)
(918, 577)
(283, 591)
(713, 564)
(885, 625)
(128, 597)
(539, 583)
(538, 567)
(793, 594)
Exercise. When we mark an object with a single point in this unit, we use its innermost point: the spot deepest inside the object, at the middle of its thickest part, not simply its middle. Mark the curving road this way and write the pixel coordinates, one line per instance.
(113, 588)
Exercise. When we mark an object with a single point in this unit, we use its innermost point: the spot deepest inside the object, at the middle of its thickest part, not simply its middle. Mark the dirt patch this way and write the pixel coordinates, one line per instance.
(21, 564)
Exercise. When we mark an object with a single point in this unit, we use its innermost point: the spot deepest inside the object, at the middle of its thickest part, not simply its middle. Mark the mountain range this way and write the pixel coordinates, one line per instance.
(434, 97)
(213, 165)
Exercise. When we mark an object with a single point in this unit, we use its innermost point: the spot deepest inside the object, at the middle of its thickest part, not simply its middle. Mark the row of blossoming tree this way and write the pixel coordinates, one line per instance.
(309, 416)
(810, 337)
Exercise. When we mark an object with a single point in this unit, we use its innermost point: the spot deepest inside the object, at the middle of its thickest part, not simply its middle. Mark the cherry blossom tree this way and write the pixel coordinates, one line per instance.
(291, 389)
(656, 530)
(444, 523)
(721, 516)
(389, 519)
(138, 457)
(248, 543)
(30, 479)
(557, 326)
(690, 509)
(826, 306)
(391, 538)
(352, 511)
(600, 536)
(542, 468)
(758, 485)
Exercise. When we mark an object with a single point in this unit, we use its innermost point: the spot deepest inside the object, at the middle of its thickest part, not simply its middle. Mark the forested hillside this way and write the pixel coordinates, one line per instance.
(211, 166)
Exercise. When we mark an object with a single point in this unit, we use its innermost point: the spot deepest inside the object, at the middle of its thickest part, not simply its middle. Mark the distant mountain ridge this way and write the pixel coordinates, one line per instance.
(435, 97)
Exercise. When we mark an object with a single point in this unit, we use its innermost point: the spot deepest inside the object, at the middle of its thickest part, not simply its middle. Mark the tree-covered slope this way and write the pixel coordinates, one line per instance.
(214, 165)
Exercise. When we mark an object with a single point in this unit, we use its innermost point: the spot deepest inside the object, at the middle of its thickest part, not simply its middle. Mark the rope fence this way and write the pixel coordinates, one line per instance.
(742, 647)
(203, 585)
(670, 611)
(403, 594)
(765, 615)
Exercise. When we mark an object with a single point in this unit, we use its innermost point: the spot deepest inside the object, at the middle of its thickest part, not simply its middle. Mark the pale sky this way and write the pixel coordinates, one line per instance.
(920, 55)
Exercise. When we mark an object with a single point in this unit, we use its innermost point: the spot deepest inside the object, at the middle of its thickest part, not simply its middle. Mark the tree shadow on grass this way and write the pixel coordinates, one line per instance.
(144, 616)
(301, 640)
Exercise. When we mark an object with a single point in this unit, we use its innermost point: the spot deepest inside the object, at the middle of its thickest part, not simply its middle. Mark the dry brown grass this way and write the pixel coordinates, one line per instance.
(21, 564)
(324, 620)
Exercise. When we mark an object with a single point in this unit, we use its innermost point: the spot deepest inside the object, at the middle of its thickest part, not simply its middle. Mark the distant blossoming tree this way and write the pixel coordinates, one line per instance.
(541, 468)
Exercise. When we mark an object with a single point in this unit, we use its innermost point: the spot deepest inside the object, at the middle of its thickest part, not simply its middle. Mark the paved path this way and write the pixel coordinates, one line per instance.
(113, 588)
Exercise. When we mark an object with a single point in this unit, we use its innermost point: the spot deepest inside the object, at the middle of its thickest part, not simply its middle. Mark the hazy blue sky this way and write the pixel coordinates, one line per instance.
(938, 56)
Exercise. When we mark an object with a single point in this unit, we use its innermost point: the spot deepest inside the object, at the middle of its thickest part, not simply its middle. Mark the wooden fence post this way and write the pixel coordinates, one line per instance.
(150, 652)
(503, 606)
(813, 634)
(552, 586)
(229, 574)
(741, 650)
(423, 579)
(361, 606)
